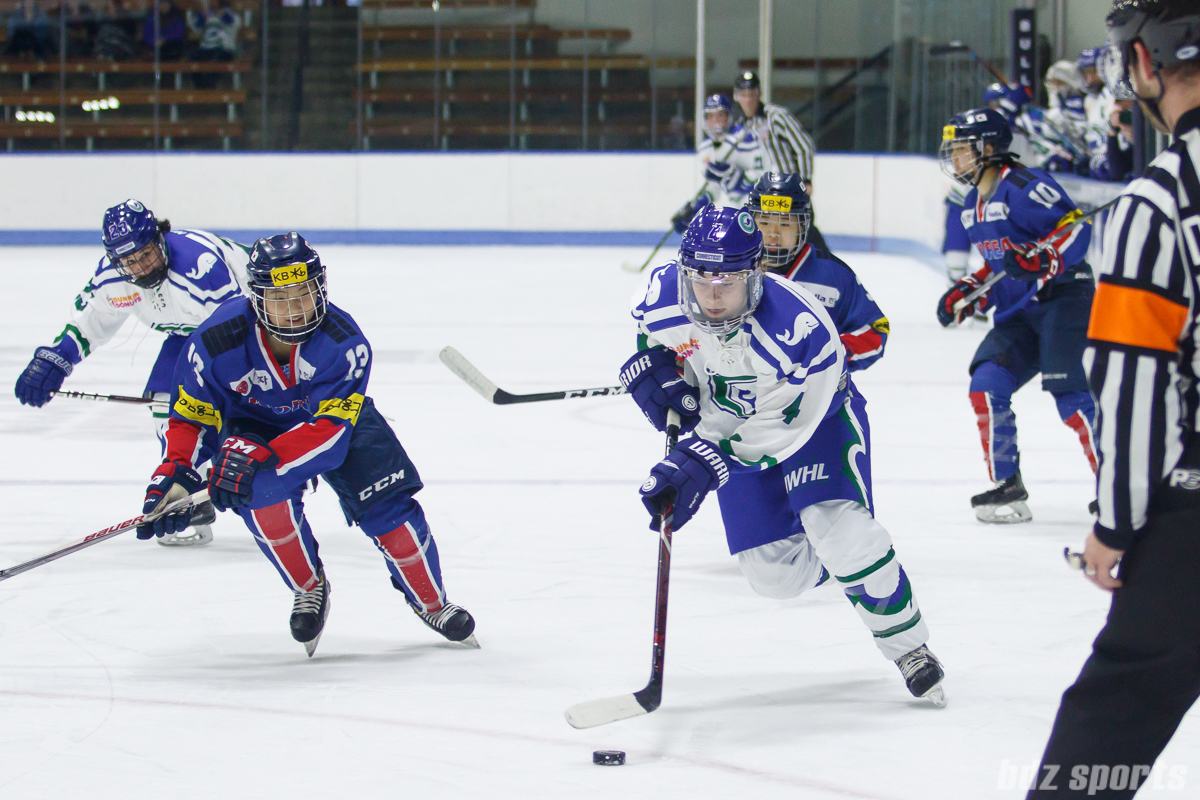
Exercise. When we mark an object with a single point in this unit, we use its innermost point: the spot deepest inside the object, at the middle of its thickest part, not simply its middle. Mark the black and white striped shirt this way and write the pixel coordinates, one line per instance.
(789, 145)
(1142, 356)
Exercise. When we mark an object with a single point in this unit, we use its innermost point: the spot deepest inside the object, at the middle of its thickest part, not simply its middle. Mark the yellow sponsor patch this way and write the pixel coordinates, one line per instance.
(773, 202)
(947, 133)
(881, 325)
(199, 411)
(346, 408)
(289, 275)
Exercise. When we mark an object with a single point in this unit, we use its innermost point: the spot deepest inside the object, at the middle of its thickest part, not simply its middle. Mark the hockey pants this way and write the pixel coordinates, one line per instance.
(842, 537)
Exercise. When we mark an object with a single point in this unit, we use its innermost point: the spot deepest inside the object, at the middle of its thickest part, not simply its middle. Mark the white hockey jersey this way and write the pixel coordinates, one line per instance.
(203, 271)
(742, 148)
(764, 389)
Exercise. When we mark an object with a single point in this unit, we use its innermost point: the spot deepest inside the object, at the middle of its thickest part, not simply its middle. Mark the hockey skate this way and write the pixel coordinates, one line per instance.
(200, 531)
(309, 612)
(453, 622)
(923, 674)
(1004, 504)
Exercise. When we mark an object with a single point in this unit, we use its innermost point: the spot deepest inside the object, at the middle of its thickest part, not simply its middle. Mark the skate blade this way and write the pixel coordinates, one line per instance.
(310, 646)
(468, 643)
(936, 695)
(197, 535)
(1018, 511)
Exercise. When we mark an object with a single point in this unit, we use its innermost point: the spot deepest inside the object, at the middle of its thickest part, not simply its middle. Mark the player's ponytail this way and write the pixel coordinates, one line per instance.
(164, 226)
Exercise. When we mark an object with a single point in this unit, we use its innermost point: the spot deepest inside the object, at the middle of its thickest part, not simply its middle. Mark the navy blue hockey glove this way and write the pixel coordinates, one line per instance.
(946, 314)
(1022, 264)
(656, 384)
(681, 480)
(684, 215)
(172, 481)
(45, 374)
(231, 482)
(730, 177)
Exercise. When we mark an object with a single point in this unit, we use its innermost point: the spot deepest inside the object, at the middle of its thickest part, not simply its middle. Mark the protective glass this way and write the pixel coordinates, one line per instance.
(291, 313)
(719, 302)
(716, 124)
(783, 236)
(144, 267)
(961, 160)
(1114, 72)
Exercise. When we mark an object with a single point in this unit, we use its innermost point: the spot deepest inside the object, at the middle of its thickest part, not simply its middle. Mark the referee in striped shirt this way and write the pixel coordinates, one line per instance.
(786, 142)
(1142, 361)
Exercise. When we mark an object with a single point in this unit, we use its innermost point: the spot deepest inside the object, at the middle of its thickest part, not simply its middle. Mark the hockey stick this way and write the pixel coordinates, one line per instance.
(1076, 144)
(625, 706)
(100, 536)
(105, 398)
(464, 369)
(1076, 217)
(629, 266)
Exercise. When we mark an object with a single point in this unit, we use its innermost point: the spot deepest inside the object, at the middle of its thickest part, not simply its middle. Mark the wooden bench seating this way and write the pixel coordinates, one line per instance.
(126, 97)
(554, 63)
(424, 127)
(525, 95)
(132, 129)
(422, 33)
(89, 66)
(426, 5)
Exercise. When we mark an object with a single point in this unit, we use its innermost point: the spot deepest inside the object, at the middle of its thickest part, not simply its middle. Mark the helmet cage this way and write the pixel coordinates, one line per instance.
(292, 312)
(156, 250)
(967, 176)
(773, 224)
(720, 287)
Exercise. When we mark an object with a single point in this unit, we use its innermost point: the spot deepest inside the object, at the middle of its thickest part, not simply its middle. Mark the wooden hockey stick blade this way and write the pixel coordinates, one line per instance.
(455, 362)
(605, 710)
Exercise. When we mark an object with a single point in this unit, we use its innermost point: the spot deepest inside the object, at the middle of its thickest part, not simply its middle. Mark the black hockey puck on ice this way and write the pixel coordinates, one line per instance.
(609, 758)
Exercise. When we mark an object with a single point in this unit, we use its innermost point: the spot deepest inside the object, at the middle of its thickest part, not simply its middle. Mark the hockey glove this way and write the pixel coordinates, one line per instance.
(45, 374)
(231, 483)
(681, 480)
(946, 314)
(1023, 264)
(656, 384)
(730, 178)
(684, 215)
(172, 481)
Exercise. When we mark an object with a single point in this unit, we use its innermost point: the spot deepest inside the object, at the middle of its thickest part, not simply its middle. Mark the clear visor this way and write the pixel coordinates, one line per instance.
(716, 123)
(1113, 71)
(291, 313)
(143, 267)
(961, 160)
(783, 236)
(719, 302)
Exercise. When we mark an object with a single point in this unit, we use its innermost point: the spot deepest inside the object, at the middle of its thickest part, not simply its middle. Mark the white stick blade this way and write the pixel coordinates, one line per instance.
(455, 362)
(604, 711)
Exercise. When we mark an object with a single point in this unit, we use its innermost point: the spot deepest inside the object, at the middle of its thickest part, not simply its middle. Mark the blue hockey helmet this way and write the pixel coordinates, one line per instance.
(783, 212)
(718, 116)
(133, 241)
(287, 287)
(1088, 57)
(973, 141)
(720, 280)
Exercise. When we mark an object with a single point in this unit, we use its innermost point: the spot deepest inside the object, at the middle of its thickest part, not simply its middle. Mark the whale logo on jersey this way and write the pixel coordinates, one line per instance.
(805, 324)
(655, 289)
(204, 265)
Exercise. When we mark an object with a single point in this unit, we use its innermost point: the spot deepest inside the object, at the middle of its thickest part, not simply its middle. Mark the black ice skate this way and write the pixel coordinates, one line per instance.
(923, 674)
(200, 531)
(1003, 504)
(453, 622)
(309, 611)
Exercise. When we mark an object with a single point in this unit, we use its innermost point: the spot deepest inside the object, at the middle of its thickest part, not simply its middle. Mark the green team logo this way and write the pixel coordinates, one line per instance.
(734, 395)
(746, 222)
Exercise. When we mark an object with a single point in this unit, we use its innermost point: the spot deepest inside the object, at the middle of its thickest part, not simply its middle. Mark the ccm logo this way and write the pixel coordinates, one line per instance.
(380, 485)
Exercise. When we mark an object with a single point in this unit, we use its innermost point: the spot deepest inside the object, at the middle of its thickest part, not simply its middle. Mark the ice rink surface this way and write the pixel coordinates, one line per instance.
(131, 670)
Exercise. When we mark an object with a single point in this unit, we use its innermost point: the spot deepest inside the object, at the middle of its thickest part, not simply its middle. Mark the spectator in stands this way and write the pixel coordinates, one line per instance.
(82, 25)
(116, 36)
(29, 32)
(218, 38)
(171, 33)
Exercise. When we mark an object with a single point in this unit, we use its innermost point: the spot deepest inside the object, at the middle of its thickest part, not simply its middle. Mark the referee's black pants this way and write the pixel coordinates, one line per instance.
(1143, 674)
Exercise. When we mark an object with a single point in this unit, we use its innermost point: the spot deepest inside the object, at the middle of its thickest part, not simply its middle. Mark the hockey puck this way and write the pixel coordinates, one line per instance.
(609, 758)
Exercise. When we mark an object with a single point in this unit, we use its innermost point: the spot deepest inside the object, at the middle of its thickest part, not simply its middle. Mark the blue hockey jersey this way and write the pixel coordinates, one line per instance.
(1026, 205)
(861, 324)
(228, 380)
